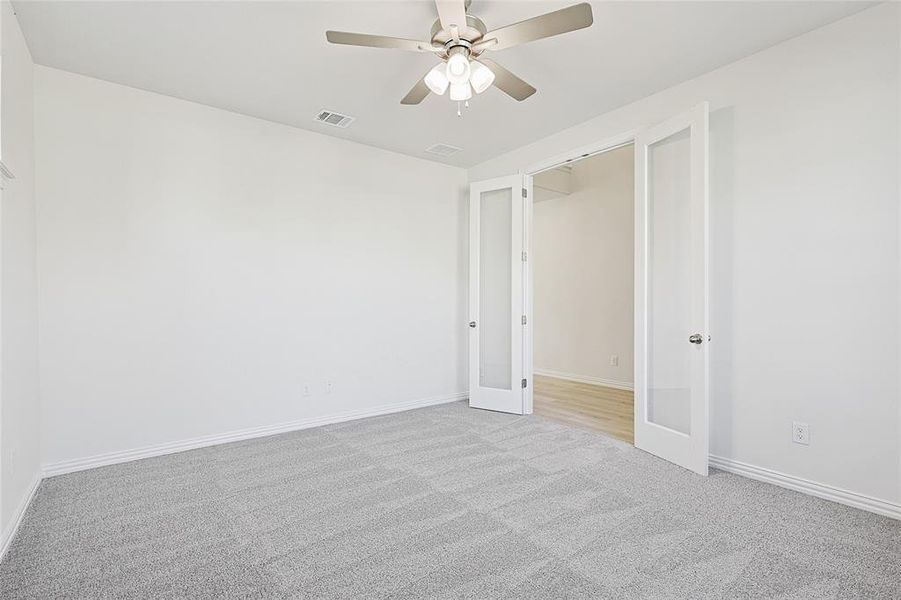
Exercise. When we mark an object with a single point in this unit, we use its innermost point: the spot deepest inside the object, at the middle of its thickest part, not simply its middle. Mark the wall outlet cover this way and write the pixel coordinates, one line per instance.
(801, 433)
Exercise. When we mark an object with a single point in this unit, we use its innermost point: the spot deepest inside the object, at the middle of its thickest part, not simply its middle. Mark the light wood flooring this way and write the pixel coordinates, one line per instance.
(597, 407)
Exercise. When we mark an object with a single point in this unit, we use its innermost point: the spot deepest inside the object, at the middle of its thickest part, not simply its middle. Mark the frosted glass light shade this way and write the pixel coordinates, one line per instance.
(436, 80)
(481, 77)
(458, 68)
(460, 91)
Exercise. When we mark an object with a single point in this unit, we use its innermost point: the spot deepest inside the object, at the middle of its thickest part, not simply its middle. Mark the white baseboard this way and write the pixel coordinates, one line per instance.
(819, 490)
(612, 383)
(112, 458)
(7, 537)
(805, 486)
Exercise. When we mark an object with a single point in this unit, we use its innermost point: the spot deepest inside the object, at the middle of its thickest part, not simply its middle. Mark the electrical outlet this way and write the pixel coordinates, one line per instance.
(614, 360)
(306, 389)
(801, 433)
(328, 387)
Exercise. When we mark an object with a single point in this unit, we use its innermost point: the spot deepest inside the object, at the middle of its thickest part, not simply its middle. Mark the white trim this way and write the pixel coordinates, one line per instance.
(612, 383)
(806, 486)
(605, 145)
(528, 363)
(112, 458)
(9, 535)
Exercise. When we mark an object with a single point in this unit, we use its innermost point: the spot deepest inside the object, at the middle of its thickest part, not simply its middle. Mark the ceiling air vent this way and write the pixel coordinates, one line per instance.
(443, 149)
(334, 119)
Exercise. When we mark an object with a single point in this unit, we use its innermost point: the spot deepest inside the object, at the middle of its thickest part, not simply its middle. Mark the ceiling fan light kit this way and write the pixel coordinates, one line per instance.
(481, 77)
(460, 92)
(459, 39)
(458, 65)
(437, 79)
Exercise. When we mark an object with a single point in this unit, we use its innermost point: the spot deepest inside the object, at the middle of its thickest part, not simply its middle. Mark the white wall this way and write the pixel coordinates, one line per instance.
(199, 269)
(19, 408)
(582, 269)
(805, 267)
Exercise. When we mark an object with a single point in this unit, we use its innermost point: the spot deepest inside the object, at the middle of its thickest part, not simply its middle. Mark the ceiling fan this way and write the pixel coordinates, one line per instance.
(459, 40)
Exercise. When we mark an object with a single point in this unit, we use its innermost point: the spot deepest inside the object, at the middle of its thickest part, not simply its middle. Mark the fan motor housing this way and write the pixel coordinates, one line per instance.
(474, 31)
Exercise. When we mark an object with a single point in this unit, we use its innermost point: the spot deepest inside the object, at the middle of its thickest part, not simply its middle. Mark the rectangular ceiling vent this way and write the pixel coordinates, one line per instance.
(443, 149)
(334, 119)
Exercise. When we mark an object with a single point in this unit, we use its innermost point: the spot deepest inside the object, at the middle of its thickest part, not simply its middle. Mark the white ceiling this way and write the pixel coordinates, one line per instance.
(271, 60)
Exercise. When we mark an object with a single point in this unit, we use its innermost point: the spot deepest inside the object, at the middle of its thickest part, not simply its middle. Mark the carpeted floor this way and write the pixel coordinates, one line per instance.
(443, 502)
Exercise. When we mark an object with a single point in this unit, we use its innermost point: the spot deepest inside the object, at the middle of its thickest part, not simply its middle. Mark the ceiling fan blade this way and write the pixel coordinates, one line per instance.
(560, 21)
(376, 41)
(417, 94)
(483, 44)
(451, 12)
(507, 82)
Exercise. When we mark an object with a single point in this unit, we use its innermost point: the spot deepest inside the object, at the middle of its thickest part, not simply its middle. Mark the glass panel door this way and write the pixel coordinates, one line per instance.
(496, 295)
(671, 300)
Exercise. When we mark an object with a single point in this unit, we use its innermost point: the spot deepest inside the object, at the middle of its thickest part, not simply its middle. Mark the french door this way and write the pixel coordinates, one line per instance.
(496, 299)
(671, 290)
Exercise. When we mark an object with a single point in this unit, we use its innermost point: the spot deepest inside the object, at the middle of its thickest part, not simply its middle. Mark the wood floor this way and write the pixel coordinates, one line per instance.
(597, 407)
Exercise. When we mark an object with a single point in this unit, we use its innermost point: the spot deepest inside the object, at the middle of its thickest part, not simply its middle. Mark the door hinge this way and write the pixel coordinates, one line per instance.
(525, 194)
(524, 384)
(525, 256)
(523, 319)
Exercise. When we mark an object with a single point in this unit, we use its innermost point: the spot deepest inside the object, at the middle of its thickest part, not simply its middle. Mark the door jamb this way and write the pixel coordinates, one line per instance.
(604, 145)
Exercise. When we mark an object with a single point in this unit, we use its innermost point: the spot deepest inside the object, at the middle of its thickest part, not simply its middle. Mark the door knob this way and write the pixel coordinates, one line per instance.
(472, 324)
(696, 339)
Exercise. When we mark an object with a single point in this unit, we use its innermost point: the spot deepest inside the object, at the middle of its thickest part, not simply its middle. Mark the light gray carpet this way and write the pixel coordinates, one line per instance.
(443, 502)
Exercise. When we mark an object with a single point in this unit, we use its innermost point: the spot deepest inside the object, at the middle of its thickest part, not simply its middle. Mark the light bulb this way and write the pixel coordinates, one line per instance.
(458, 68)
(436, 80)
(460, 91)
(481, 78)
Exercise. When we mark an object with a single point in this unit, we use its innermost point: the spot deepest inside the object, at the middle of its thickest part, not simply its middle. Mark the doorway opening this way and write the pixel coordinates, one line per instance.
(583, 292)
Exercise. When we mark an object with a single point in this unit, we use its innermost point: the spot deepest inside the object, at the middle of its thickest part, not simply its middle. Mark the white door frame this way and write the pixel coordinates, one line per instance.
(600, 147)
